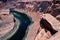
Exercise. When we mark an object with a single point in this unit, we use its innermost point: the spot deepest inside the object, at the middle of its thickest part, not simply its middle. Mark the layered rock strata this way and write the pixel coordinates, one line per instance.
(6, 23)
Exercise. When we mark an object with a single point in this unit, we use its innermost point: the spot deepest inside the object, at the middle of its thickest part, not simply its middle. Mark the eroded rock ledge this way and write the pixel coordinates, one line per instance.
(6, 22)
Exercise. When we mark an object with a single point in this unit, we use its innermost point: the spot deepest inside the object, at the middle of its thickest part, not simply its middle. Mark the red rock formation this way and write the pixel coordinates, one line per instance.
(53, 21)
(6, 23)
(42, 35)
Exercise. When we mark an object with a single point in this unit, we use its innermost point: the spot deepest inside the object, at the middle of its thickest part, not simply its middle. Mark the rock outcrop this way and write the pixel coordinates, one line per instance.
(6, 23)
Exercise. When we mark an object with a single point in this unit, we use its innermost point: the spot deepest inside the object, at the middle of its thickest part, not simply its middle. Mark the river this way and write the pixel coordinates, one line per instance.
(24, 21)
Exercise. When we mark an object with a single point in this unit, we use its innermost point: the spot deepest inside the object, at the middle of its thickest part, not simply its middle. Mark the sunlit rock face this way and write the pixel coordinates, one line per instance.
(6, 23)
(4, 11)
